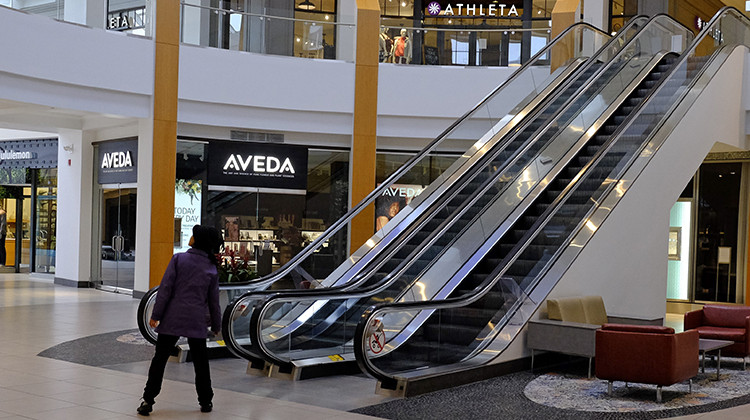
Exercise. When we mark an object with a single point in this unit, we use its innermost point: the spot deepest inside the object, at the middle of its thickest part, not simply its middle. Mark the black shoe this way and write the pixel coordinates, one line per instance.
(206, 408)
(145, 408)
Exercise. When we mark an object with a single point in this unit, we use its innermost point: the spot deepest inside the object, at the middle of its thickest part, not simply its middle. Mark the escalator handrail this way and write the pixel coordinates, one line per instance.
(408, 165)
(479, 291)
(320, 294)
(269, 279)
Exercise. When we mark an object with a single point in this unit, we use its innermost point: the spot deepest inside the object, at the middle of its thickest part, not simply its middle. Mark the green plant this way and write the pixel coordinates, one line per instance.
(235, 268)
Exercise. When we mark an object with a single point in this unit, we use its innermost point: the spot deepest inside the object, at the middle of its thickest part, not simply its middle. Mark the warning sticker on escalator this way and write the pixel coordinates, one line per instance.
(376, 339)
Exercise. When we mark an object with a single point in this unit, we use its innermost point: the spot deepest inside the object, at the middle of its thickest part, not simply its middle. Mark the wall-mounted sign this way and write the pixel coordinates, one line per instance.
(260, 165)
(118, 162)
(187, 210)
(124, 20)
(36, 153)
(393, 200)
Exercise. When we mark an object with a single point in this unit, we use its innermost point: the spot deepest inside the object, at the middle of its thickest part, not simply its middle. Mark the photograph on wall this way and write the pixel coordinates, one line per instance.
(231, 228)
(187, 211)
(246, 235)
(393, 200)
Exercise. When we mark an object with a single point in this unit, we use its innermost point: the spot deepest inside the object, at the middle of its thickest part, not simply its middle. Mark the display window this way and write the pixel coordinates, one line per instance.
(263, 227)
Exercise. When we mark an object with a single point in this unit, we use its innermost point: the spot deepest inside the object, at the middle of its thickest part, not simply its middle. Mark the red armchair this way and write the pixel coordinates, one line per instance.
(646, 354)
(723, 322)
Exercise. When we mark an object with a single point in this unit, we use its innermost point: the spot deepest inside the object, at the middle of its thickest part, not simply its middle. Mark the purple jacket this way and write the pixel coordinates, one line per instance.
(189, 292)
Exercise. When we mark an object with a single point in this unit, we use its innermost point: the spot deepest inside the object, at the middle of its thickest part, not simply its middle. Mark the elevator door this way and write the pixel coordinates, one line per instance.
(118, 209)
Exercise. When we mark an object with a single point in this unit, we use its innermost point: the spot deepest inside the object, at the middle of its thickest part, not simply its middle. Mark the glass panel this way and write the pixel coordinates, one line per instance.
(46, 213)
(268, 30)
(717, 227)
(488, 123)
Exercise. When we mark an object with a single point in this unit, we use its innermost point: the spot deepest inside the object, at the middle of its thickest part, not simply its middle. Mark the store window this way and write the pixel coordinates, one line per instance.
(265, 226)
(717, 227)
(621, 11)
(45, 220)
(411, 184)
(126, 16)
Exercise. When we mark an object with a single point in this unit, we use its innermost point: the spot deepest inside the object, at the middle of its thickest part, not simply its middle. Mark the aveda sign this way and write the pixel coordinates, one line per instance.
(118, 161)
(260, 164)
(264, 165)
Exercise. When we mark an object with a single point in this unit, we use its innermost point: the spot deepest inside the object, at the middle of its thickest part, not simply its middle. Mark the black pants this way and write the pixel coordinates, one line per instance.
(164, 345)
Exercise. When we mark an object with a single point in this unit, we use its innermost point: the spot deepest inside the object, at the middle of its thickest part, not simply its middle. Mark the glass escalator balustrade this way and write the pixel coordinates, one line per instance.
(310, 335)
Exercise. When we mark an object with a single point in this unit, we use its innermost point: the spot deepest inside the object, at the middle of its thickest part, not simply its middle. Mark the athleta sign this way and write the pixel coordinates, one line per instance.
(260, 165)
(470, 9)
(118, 162)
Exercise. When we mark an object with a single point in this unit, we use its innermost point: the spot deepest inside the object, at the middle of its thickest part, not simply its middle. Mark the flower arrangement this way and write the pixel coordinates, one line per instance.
(191, 187)
(235, 267)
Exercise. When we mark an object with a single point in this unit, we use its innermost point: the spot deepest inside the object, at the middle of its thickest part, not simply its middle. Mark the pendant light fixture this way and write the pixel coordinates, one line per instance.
(306, 5)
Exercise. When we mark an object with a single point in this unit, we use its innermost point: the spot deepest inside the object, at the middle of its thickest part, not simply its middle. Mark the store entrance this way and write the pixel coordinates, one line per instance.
(16, 205)
(116, 262)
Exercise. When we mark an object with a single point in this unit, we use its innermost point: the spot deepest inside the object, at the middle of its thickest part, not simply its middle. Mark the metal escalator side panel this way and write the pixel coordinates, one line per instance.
(358, 346)
(578, 31)
(564, 162)
(294, 324)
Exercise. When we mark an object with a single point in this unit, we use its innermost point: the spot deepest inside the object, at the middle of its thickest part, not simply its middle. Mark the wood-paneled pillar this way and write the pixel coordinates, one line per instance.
(166, 73)
(364, 132)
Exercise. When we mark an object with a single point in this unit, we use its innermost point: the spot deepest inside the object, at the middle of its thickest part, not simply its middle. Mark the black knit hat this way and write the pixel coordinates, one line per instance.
(207, 239)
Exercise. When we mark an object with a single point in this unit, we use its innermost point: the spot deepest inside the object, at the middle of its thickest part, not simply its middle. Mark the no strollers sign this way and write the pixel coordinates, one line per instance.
(376, 339)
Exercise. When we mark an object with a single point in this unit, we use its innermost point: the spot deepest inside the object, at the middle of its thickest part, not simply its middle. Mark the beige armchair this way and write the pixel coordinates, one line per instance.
(570, 327)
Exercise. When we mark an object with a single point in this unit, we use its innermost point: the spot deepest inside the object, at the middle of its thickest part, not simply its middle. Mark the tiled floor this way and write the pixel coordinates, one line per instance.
(36, 315)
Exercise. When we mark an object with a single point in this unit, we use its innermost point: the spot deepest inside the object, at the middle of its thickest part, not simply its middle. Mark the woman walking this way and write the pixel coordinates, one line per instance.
(188, 294)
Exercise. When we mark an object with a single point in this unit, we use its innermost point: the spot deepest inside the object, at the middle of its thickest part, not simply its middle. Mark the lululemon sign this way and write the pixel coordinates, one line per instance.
(259, 165)
(118, 162)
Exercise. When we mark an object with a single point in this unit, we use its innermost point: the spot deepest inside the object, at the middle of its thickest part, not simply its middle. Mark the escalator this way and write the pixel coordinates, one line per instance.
(462, 338)
(324, 324)
(491, 145)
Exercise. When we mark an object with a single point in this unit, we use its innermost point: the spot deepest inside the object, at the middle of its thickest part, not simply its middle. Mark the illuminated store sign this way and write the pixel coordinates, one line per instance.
(118, 162)
(257, 165)
(471, 9)
(37, 153)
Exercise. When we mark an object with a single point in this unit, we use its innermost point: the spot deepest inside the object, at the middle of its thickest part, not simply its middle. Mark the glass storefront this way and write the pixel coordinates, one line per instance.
(706, 236)
(266, 227)
(28, 197)
(114, 215)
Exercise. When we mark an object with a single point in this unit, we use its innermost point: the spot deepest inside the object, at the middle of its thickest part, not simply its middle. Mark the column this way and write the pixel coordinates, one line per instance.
(74, 208)
(164, 146)
(597, 14)
(364, 138)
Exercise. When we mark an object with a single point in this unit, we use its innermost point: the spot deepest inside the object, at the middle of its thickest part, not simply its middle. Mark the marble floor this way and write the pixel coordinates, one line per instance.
(35, 315)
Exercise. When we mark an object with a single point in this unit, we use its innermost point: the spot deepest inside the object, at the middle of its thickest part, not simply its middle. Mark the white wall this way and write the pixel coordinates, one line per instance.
(74, 208)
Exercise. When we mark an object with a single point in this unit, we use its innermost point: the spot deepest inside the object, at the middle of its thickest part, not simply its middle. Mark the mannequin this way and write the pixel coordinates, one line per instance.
(386, 44)
(401, 51)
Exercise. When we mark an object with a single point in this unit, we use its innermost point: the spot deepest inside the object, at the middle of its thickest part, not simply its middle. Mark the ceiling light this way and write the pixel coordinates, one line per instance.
(306, 5)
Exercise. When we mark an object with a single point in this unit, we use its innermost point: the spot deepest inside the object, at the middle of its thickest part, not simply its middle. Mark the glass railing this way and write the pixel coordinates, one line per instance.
(327, 325)
(278, 33)
(451, 332)
(498, 113)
